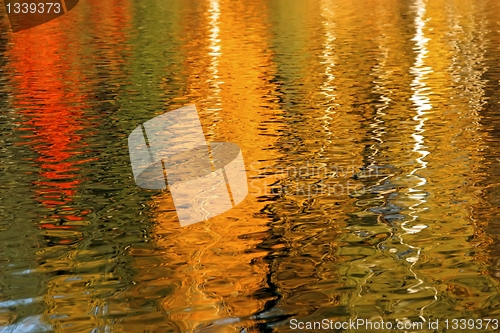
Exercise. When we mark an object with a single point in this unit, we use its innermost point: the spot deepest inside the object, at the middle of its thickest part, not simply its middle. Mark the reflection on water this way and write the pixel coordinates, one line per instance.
(370, 135)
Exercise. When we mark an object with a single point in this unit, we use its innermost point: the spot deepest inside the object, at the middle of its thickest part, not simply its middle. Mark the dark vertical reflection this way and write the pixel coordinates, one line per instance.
(319, 64)
(377, 222)
(487, 211)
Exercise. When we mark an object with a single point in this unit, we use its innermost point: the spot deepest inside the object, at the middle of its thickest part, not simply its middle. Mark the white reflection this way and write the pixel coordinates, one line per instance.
(215, 44)
(214, 53)
(328, 54)
(419, 97)
(423, 105)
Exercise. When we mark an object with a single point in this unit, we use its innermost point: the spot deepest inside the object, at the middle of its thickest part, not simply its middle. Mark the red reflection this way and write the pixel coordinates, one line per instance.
(46, 95)
(49, 81)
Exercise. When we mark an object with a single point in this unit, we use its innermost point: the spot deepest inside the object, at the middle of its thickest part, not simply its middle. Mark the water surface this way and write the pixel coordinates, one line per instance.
(370, 132)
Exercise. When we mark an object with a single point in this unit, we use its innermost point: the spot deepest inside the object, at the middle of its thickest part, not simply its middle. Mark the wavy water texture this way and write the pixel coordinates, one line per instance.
(370, 133)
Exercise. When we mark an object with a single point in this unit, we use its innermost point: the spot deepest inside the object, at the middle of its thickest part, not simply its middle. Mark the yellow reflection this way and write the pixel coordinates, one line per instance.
(455, 90)
(210, 263)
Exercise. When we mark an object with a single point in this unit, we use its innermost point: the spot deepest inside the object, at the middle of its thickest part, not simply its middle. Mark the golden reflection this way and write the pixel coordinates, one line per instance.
(323, 108)
(454, 141)
(416, 185)
(429, 229)
(217, 274)
(373, 275)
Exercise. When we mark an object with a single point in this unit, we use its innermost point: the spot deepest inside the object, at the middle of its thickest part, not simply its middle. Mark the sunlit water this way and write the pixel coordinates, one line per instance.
(371, 136)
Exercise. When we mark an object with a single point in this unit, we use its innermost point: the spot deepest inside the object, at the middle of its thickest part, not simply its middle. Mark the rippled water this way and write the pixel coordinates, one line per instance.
(370, 132)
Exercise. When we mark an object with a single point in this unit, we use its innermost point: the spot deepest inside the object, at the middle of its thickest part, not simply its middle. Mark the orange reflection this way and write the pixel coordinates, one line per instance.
(49, 80)
(45, 94)
(210, 263)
